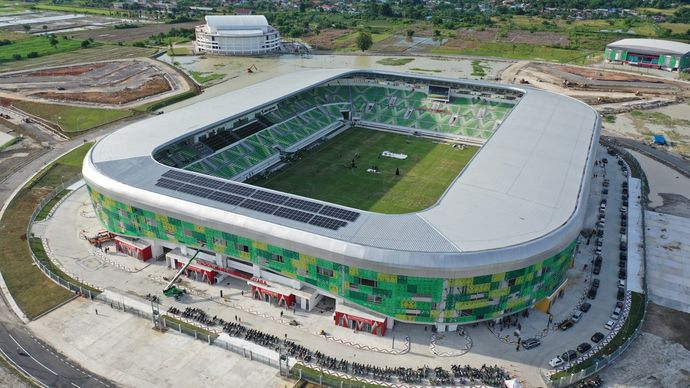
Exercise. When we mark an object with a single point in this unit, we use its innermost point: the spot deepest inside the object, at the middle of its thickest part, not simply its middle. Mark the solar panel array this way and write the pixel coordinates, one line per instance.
(296, 209)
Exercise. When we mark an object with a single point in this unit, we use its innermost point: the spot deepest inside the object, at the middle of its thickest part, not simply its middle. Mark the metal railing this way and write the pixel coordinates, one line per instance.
(71, 286)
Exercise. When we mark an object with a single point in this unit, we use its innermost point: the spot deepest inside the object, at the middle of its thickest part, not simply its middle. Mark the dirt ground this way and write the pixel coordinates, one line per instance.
(116, 83)
(650, 362)
(668, 324)
(603, 75)
(468, 37)
(130, 34)
(326, 39)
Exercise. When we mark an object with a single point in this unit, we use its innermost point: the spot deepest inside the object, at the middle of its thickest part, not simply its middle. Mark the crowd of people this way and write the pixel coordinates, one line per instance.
(458, 374)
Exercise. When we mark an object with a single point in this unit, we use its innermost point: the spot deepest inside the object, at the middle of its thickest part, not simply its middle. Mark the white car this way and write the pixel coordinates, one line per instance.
(556, 362)
(610, 324)
(576, 316)
(616, 313)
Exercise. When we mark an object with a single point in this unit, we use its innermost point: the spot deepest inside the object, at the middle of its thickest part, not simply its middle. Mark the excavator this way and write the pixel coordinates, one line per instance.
(171, 289)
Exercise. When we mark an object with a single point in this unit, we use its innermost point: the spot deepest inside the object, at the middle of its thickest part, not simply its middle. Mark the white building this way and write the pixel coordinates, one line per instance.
(237, 35)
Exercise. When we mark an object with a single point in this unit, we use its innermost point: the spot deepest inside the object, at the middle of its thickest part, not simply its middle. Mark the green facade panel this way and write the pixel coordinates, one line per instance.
(407, 298)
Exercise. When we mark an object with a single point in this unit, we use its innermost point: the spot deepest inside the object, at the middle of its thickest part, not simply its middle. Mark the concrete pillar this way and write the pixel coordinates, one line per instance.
(256, 270)
(389, 323)
(219, 260)
(453, 327)
(156, 248)
(303, 303)
(183, 250)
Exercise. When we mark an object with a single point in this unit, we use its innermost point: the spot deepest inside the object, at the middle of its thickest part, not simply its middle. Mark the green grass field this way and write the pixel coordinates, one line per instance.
(325, 173)
(72, 118)
(520, 51)
(39, 44)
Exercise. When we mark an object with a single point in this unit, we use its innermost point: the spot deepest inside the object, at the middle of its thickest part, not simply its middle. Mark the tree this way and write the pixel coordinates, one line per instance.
(54, 41)
(410, 33)
(45, 27)
(364, 41)
(27, 27)
(17, 57)
(85, 43)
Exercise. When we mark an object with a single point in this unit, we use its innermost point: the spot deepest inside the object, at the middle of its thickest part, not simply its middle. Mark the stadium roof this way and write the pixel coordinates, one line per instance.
(653, 46)
(526, 188)
(235, 22)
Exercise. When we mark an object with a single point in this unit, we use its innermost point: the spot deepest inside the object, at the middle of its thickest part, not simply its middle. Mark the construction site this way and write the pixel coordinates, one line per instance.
(121, 83)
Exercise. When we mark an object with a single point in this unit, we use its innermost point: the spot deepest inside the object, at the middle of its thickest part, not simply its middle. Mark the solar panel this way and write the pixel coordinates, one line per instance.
(168, 184)
(326, 222)
(225, 198)
(259, 206)
(293, 214)
(195, 190)
(179, 175)
(343, 214)
(207, 182)
(237, 189)
(303, 205)
(270, 197)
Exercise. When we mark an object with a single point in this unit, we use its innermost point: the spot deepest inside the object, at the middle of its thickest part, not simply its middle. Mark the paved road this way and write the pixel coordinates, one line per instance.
(675, 162)
(30, 354)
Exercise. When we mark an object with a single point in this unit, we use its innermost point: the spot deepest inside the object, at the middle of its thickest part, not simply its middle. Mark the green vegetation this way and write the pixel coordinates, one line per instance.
(73, 9)
(34, 292)
(179, 51)
(478, 69)
(72, 118)
(205, 77)
(155, 105)
(427, 70)
(394, 61)
(364, 41)
(634, 318)
(39, 45)
(45, 210)
(610, 119)
(659, 118)
(327, 380)
(521, 51)
(326, 173)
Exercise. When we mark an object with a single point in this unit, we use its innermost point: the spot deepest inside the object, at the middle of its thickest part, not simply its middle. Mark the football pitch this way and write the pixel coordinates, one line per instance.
(326, 173)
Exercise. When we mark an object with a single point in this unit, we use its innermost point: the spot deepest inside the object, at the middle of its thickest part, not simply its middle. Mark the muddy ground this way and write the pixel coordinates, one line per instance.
(469, 37)
(131, 34)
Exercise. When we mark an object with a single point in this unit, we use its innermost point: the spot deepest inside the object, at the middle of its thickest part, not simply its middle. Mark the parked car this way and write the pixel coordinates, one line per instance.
(622, 263)
(609, 324)
(530, 343)
(556, 362)
(592, 294)
(616, 314)
(584, 347)
(570, 355)
(595, 282)
(585, 307)
(597, 269)
(623, 255)
(565, 325)
(622, 274)
(597, 337)
(621, 283)
(576, 316)
(598, 260)
(621, 293)
(605, 191)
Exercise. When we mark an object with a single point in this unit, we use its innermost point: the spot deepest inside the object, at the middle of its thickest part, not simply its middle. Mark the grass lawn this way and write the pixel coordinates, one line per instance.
(155, 105)
(179, 51)
(520, 51)
(478, 69)
(49, 206)
(39, 44)
(325, 173)
(394, 61)
(203, 77)
(34, 292)
(72, 118)
(72, 9)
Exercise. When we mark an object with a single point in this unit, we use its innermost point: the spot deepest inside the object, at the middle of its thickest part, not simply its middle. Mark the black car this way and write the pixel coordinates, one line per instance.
(598, 260)
(623, 255)
(597, 337)
(530, 343)
(622, 263)
(596, 270)
(600, 233)
(604, 160)
(595, 282)
(605, 191)
(623, 246)
(592, 294)
(565, 325)
(585, 307)
(584, 347)
(621, 293)
(622, 274)
(569, 355)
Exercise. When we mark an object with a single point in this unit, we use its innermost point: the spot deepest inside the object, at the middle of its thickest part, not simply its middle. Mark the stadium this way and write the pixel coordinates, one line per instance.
(236, 35)
(399, 197)
(653, 53)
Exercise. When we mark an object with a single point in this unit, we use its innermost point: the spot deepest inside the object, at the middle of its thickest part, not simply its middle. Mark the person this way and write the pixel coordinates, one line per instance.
(281, 313)
(96, 311)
